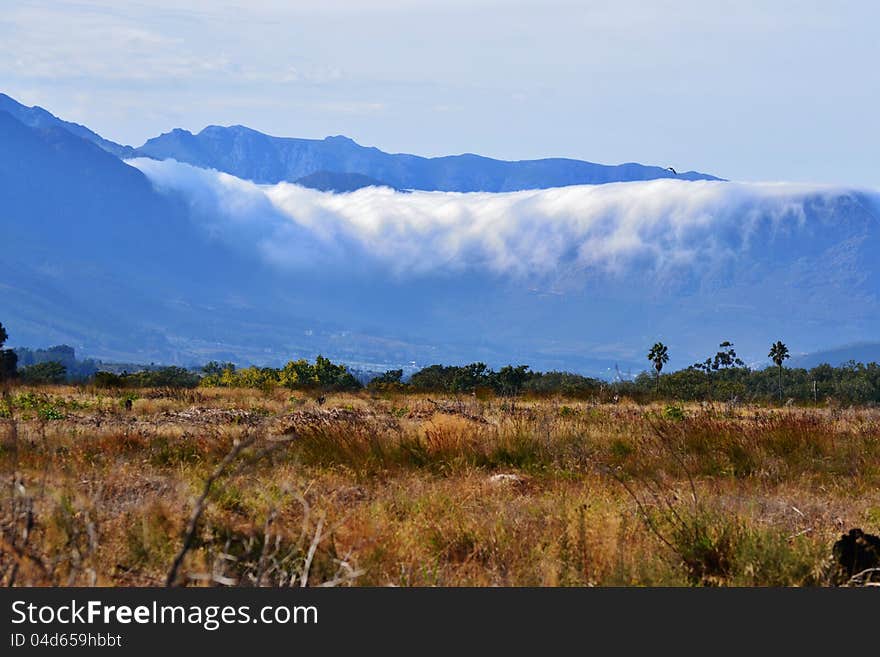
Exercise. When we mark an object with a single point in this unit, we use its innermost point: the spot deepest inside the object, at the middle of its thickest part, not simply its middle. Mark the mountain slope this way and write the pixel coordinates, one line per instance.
(252, 155)
(92, 255)
(37, 117)
(60, 192)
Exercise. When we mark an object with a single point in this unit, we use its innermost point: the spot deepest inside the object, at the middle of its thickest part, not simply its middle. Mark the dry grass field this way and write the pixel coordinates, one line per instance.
(249, 488)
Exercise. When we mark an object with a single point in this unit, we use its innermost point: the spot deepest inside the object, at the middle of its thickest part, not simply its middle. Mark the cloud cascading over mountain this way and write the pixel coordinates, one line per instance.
(154, 259)
(658, 224)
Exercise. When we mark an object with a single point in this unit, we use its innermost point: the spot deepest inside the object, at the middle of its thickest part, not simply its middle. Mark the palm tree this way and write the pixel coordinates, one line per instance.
(658, 355)
(778, 354)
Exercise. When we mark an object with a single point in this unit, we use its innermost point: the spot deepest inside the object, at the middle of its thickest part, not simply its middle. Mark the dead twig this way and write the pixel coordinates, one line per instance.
(864, 578)
(22, 558)
(264, 552)
(192, 526)
(307, 566)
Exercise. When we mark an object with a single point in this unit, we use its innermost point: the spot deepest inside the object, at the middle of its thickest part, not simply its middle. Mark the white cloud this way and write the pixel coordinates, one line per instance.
(540, 233)
(106, 42)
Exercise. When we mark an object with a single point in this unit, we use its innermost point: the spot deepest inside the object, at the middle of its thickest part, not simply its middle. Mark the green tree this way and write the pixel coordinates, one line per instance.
(50, 371)
(468, 378)
(8, 358)
(390, 376)
(509, 380)
(213, 368)
(659, 356)
(778, 354)
(705, 367)
(102, 379)
(566, 383)
(330, 376)
(391, 380)
(434, 378)
(726, 357)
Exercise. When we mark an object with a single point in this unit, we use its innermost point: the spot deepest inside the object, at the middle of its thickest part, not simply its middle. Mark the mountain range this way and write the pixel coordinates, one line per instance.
(252, 155)
(149, 254)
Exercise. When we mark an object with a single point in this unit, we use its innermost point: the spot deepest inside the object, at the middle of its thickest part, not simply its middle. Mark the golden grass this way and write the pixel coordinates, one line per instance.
(401, 490)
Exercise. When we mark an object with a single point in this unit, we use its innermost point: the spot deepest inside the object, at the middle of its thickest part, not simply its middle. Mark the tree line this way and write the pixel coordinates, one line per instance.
(725, 376)
(722, 376)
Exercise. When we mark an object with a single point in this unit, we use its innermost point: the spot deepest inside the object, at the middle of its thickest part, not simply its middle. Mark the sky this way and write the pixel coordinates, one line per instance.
(751, 91)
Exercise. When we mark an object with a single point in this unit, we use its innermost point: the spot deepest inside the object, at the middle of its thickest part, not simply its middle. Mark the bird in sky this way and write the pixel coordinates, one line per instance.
(672, 170)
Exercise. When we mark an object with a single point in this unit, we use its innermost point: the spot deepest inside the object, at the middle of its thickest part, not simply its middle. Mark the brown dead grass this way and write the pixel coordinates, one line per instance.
(398, 490)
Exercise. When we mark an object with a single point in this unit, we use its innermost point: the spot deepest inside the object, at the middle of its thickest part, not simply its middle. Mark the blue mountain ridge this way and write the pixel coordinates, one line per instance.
(255, 156)
(252, 155)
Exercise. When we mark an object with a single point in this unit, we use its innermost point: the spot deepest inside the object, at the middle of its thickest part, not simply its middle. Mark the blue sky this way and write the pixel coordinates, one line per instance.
(777, 90)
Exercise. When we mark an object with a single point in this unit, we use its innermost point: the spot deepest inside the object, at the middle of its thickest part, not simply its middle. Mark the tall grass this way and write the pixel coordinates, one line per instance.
(400, 489)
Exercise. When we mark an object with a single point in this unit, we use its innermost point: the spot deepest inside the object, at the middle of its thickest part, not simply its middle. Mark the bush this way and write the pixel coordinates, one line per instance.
(674, 413)
(324, 375)
(107, 380)
(563, 383)
(165, 377)
(44, 373)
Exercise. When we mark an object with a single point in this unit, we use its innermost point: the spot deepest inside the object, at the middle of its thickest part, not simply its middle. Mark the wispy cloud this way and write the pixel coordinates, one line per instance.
(102, 41)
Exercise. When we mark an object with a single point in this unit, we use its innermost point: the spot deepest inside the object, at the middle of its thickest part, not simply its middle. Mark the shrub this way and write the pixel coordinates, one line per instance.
(674, 413)
(44, 373)
(107, 380)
